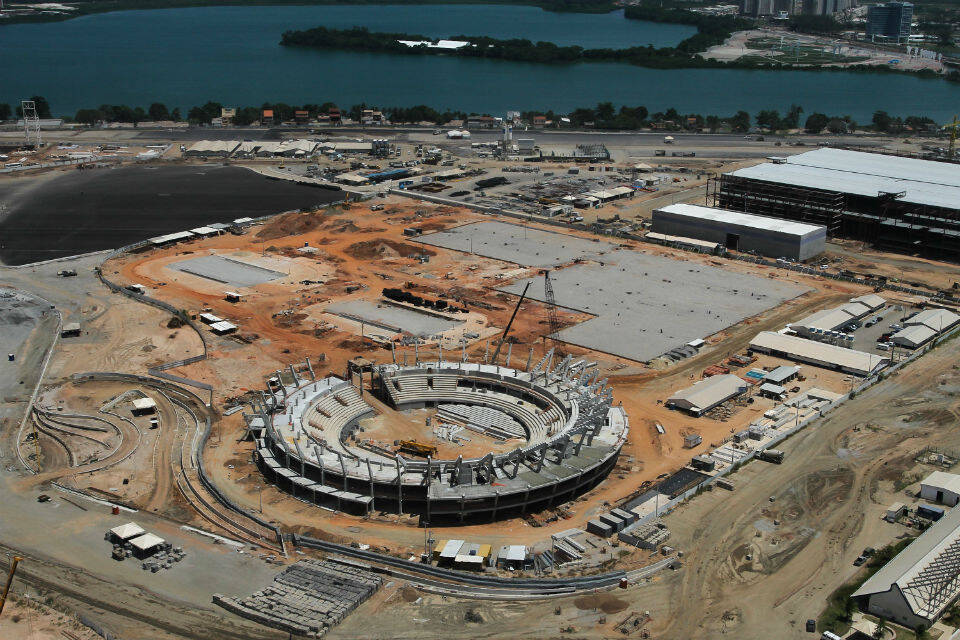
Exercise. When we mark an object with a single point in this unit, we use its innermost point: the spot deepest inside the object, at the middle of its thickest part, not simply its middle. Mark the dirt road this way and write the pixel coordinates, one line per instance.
(831, 493)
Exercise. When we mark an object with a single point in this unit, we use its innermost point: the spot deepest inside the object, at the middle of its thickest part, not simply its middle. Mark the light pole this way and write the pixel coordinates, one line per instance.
(260, 496)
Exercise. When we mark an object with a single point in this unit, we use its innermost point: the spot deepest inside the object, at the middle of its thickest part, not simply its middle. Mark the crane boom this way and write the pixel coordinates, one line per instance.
(6, 589)
(503, 338)
(551, 308)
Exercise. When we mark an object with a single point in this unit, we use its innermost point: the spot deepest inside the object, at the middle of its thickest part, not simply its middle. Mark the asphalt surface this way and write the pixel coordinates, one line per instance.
(90, 210)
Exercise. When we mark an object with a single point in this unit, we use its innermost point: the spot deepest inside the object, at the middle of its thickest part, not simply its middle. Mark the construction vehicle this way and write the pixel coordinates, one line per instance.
(417, 449)
(771, 455)
(6, 589)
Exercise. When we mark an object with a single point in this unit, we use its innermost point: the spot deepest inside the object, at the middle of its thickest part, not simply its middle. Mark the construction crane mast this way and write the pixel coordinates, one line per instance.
(953, 126)
(6, 589)
(552, 309)
(31, 124)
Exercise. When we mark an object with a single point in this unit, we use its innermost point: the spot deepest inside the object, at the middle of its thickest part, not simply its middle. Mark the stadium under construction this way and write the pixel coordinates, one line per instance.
(897, 203)
(558, 435)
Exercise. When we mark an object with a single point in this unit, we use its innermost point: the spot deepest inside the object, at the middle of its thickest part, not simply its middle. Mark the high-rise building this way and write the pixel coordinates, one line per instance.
(889, 21)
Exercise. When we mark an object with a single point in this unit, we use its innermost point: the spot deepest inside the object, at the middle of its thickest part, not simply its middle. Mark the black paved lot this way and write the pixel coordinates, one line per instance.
(97, 209)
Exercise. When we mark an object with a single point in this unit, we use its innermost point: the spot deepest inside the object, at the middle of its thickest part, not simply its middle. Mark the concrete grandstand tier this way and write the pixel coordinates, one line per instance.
(570, 437)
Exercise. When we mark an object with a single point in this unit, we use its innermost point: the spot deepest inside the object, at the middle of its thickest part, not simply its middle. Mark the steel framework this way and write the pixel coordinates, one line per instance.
(938, 583)
(31, 124)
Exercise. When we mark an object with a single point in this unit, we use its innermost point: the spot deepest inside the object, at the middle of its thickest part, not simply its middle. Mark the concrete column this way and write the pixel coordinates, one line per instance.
(343, 469)
(399, 486)
(530, 359)
(486, 353)
(313, 376)
(323, 475)
(416, 352)
(509, 352)
(583, 436)
(393, 351)
(296, 378)
(370, 475)
(429, 471)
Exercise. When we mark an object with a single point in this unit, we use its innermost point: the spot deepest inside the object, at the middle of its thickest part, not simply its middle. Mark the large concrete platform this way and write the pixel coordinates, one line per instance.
(391, 318)
(519, 244)
(646, 305)
(228, 271)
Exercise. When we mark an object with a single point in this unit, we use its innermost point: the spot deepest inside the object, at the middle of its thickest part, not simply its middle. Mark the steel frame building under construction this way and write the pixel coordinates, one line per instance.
(896, 203)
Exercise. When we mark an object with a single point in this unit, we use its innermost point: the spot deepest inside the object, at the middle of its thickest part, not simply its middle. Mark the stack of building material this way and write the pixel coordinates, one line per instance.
(308, 598)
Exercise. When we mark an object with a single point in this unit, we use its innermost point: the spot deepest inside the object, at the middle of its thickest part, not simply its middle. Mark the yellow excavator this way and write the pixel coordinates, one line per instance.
(953, 126)
(6, 589)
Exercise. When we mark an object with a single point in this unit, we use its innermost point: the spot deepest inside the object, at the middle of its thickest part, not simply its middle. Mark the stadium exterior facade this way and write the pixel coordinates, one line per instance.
(309, 443)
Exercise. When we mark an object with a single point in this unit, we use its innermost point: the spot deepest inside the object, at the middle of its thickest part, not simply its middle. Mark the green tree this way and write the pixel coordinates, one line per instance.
(5, 111)
(605, 111)
(882, 120)
(837, 125)
(88, 116)
(175, 115)
(792, 119)
(713, 123)
(741, 121)
(158, 111)
(197, 115)
(816, 123)
(769, 119)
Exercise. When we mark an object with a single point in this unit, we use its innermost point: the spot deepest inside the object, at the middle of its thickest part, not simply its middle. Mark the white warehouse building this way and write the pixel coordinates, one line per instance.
(772, 237)
(942, 488)
(707, 393)
(920, 582)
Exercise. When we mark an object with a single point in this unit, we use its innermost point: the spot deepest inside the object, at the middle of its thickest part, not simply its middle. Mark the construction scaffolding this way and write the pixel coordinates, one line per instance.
(883, 220)
(775, 200)
(31, 124)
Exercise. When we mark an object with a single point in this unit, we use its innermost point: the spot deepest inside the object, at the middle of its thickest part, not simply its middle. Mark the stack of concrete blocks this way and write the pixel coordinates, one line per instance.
(599, 528)
(308, 598)
(647, 536)
(627, 516)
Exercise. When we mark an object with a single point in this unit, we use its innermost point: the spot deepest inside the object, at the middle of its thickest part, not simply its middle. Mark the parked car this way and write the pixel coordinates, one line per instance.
(859, 561)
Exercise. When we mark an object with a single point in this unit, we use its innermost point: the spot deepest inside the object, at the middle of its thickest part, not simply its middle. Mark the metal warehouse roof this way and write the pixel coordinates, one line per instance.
(743, 219)
(936, 319)
(872, 300)
(915, 334)
(926, 555)
(943, 480)
(709, 392)
(781, 373)
(858, 361)
(827, 319)
(876, 164)
(851, 182)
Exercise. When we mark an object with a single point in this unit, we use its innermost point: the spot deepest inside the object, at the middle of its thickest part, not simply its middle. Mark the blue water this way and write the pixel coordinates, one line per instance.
(184, 57)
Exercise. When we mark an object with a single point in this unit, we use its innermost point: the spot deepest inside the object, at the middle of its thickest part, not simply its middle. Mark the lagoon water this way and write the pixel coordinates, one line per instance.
(184, 57)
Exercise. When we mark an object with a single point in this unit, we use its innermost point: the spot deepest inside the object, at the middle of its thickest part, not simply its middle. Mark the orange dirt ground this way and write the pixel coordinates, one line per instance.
(357, 247)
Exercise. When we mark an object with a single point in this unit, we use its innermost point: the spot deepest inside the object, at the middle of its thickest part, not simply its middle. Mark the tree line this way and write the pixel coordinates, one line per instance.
(604, 116)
